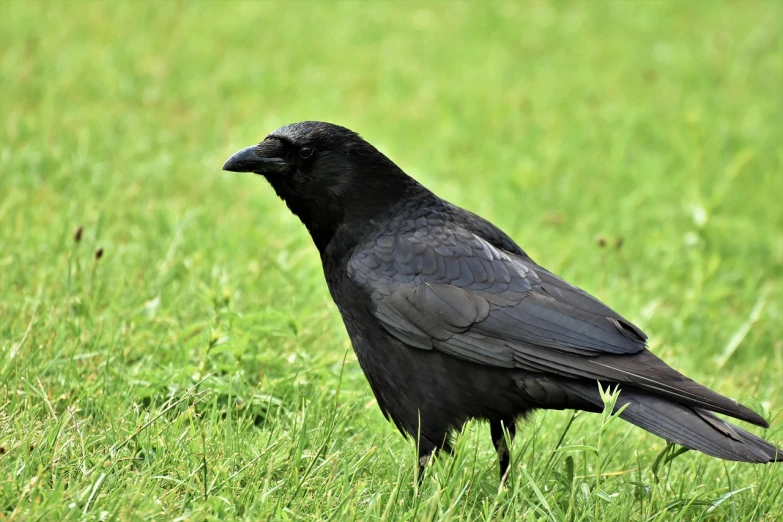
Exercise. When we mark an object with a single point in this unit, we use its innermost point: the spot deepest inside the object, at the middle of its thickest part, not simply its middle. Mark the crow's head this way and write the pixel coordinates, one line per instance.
(326, 174)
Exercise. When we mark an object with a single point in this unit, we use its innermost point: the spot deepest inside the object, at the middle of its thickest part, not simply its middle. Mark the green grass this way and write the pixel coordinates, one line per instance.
(199, 370)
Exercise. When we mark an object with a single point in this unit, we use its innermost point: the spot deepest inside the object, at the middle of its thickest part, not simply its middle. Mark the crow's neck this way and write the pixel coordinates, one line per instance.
(339, 225)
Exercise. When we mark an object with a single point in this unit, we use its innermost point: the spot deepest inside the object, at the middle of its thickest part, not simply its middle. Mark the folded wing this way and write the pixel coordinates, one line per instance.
(449, 290)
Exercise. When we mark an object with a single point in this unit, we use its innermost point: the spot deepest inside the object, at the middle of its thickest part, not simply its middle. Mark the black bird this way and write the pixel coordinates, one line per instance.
(451, 320)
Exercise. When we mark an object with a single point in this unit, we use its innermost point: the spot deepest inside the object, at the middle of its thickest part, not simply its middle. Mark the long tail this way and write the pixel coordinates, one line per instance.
(692, 427)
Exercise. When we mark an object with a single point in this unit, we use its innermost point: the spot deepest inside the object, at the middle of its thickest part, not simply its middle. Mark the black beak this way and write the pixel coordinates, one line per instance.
(252, 159)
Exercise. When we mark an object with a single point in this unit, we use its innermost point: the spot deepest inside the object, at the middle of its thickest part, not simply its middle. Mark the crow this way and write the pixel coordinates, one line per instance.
(451, 320)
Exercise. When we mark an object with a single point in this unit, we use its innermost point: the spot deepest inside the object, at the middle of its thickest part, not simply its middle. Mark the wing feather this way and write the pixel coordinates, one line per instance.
(449, 290)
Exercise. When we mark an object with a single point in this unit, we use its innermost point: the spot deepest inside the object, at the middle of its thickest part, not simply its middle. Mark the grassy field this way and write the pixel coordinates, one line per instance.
(198, 370)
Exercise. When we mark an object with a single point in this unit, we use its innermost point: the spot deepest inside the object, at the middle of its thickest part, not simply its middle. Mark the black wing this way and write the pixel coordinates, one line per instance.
(447, 289)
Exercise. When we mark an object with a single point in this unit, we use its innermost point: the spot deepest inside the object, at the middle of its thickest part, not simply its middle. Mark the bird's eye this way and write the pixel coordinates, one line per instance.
(305, 152)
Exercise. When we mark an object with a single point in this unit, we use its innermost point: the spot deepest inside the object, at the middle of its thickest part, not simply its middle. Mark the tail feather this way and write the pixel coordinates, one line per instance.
(647, 372)
(691, 427)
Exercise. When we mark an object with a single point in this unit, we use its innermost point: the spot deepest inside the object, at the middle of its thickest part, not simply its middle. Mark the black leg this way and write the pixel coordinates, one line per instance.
(497, 430)
(425, 454)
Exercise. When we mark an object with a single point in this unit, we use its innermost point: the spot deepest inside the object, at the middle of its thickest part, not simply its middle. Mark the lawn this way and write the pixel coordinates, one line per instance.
(168, 347)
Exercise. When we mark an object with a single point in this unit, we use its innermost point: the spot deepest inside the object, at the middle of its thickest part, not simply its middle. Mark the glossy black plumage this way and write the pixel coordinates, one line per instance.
(451, 320)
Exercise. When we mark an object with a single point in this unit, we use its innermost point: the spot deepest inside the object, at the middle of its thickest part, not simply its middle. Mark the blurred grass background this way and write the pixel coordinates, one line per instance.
(195, 370)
